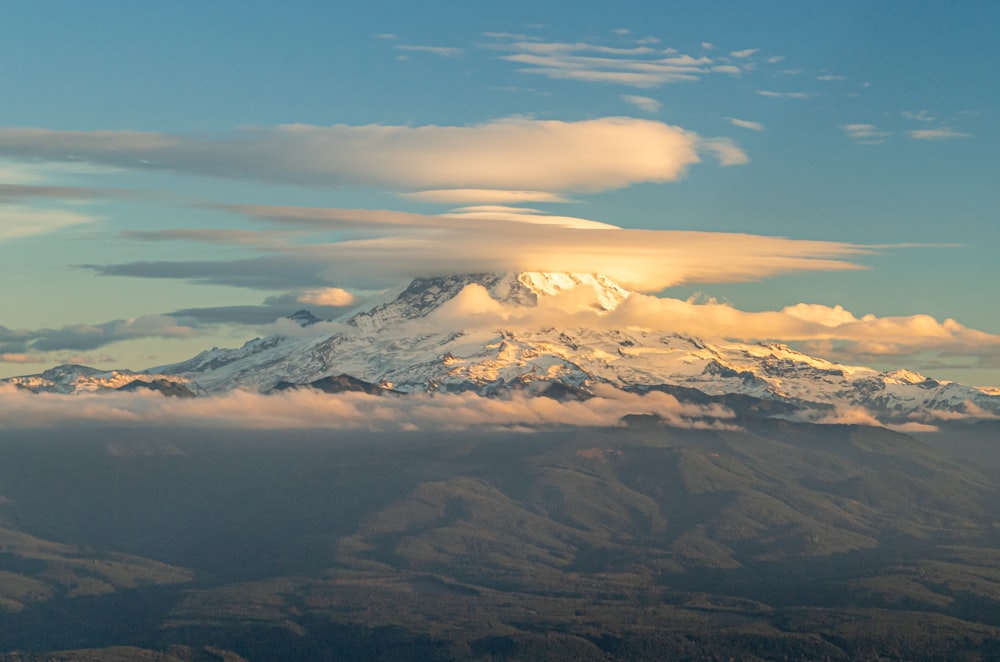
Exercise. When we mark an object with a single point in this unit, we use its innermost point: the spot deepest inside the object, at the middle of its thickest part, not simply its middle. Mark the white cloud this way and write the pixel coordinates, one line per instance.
(784, 95)
(307, 408)
(327, 296)
(645, 104)
(483, 196)
(397, 245)
(726, 151)
(942, 133)
(920, 116)
(867, 134)
(828, 331)
(727, 69)
(443, 51)
(830, 77)
(18, 221)
(742, 55)
(746, 124)
(511, 154)
(639, 66)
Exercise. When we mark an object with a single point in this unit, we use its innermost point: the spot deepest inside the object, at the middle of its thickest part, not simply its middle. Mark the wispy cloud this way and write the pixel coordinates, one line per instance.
(867, 134)
(484, 196)
(830, 77)
(784, 95)
(745, 124)
(443, 51)
(744, 54)
(941, 133)
(645, 104)
(636, 66)
(919, 116)
(18, 221)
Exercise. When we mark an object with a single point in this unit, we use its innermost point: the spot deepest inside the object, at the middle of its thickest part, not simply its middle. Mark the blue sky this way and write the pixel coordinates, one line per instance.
(131, 134)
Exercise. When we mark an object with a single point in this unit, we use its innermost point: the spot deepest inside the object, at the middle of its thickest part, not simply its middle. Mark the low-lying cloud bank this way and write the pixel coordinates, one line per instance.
(307, 408)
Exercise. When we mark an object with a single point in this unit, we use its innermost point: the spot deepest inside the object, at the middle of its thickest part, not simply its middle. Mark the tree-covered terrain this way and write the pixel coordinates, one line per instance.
(776, 541)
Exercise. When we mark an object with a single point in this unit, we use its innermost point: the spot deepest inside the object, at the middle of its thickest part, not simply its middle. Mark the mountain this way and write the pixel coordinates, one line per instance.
(491, 333)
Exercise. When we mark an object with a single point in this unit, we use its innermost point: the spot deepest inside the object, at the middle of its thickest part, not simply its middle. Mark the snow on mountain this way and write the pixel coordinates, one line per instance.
(81, 379)
(407, 342)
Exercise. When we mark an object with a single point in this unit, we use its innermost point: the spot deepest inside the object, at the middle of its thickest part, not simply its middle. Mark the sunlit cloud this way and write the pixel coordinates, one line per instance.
(745, 53)
(867, 134)
(784, 95)
(17, 221)
(443, 51)
(942, 133)
(645, 104)
(745, 124)
(516, 154)
(828, 331)
(307, 408)
(399, 245)
(638, 66)
(726, 151)
(484, 196)
(919, 116)
(327, 296)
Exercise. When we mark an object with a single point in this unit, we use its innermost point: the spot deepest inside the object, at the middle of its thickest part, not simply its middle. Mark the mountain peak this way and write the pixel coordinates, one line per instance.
(424, 295)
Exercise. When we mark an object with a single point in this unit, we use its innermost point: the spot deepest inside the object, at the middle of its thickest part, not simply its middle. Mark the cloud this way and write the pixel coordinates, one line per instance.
(18, 221)
(92, 336)
(87, 336)
(726, 151)
(312, 409)
(327, 296)
(395, 246)
(866, 134)
(828, 331)
(443, 51)
(942, 133)
(727, 69)
(77, 193)
(921, 116)
(645, 104)
(742, 55)
(830, 77)
(784, 95)
(639, 66)
(483, 196)
(517, 154)
(745, 124)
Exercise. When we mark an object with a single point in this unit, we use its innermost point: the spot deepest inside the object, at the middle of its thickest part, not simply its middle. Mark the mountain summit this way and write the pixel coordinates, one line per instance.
(490, 333)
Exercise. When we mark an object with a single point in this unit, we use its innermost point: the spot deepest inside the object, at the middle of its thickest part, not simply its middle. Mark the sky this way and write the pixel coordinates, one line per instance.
(176, 175)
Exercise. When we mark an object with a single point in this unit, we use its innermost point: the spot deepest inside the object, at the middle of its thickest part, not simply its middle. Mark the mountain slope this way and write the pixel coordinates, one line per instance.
(491, 332)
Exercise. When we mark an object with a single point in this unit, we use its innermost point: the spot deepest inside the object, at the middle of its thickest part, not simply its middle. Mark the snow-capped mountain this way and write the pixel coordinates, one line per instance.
(492, 332)
(83, 379)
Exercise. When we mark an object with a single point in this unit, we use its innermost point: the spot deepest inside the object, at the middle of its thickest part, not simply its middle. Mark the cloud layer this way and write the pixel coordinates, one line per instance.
(311, 409)
(394, 246)
(515, 154)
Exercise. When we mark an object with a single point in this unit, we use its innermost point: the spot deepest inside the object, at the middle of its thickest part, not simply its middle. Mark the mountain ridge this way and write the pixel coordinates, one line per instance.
(479, 332)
